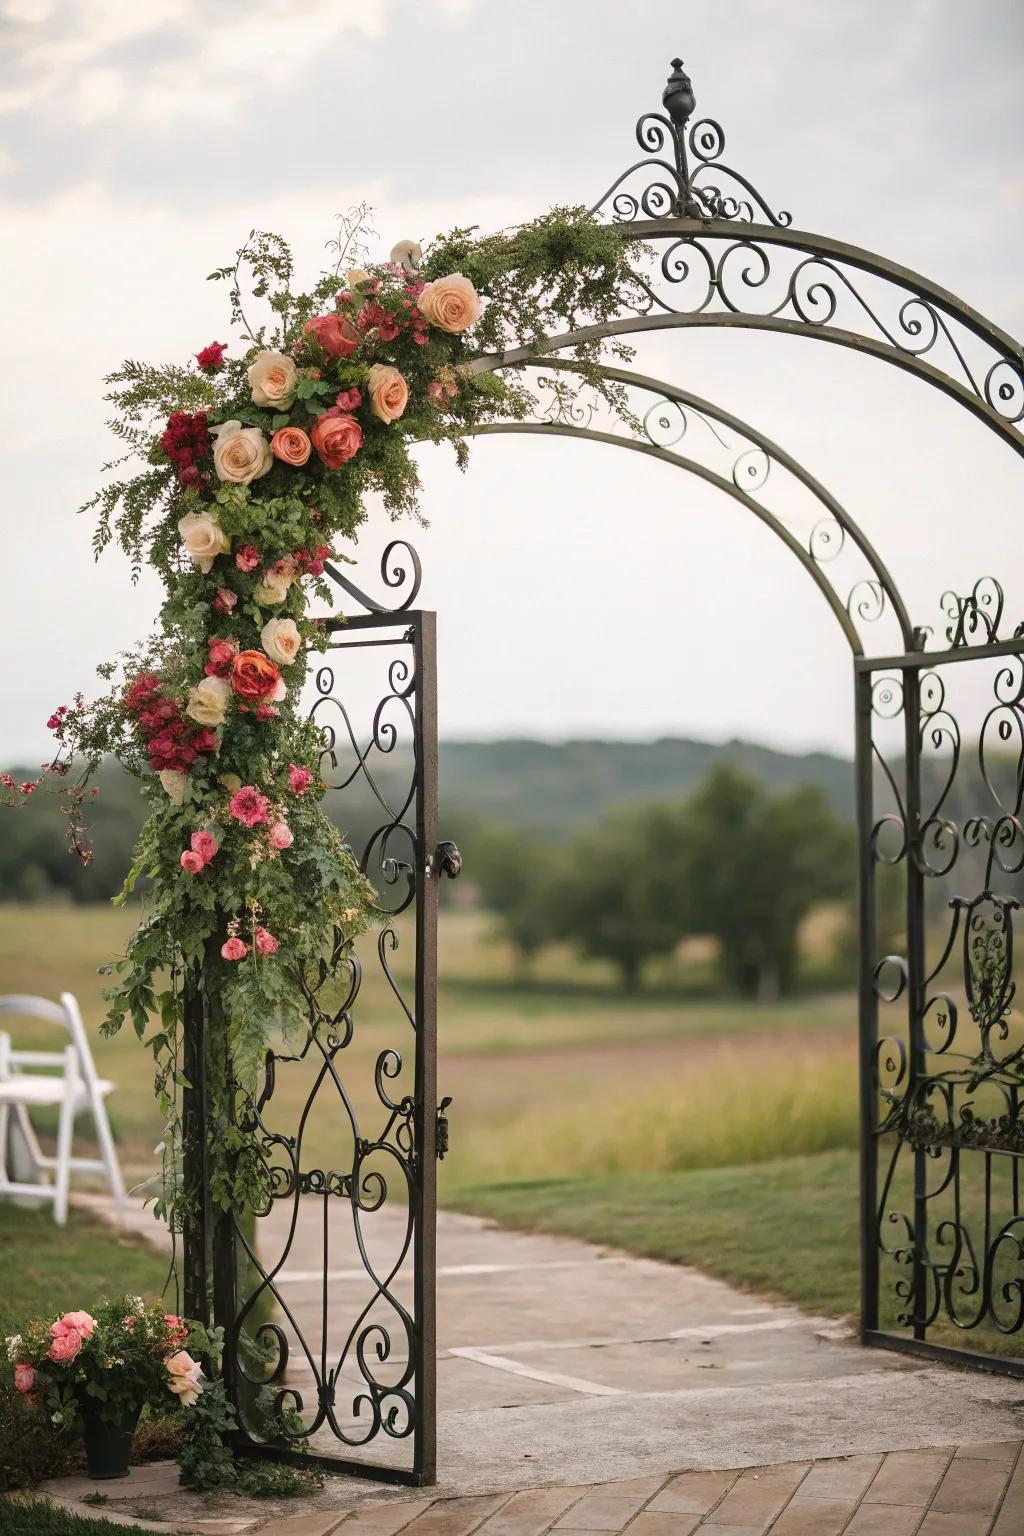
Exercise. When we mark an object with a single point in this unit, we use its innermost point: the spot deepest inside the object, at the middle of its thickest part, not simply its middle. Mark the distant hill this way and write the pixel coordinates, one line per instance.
(550, 788)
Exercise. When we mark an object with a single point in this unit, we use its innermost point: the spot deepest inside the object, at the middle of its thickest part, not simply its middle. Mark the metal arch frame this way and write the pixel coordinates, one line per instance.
(833, 507)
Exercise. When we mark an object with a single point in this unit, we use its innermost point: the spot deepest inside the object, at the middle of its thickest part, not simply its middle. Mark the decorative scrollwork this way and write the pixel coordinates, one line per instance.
(690, 185)
(974, 619)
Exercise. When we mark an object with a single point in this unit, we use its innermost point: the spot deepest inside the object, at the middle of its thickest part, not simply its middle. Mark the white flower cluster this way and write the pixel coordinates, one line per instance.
(12, 1345)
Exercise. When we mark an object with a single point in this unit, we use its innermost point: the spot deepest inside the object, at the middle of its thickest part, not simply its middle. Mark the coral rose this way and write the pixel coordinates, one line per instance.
(234, 949)
(266, 942)
(273, 378)
(208, 700)
(204, 539)
(290, 445)
(336, 335)
(337, 437)
(450, 303)
(81, 1322)
(240, 454)
(193, 862)
(254, 676)
(389, 393)
(281, 640)
(174, 784)
(65, 1347)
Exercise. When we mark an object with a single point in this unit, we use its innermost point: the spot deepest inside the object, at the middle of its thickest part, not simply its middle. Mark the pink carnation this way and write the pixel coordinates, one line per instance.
(177, 1327)
(266, 943)
(247, 558)
(349, 400)
(204, 845)
(299, 779)
(234, 949)
(248, 806)
(24, 1378)
(193, 862)
(281, 835)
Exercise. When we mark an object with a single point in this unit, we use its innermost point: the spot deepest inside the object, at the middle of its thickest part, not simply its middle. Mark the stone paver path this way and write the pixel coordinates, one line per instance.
(581, 1389)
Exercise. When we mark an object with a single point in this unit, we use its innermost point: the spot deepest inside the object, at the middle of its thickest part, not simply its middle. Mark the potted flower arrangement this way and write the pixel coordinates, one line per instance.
(96, 1374)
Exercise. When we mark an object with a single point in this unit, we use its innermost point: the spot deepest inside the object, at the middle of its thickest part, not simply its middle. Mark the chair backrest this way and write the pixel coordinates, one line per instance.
(64, 1014)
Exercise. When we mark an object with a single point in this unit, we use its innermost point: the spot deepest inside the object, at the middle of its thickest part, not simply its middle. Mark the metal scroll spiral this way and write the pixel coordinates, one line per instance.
(564, 406)
(394, 573)
(668, 188)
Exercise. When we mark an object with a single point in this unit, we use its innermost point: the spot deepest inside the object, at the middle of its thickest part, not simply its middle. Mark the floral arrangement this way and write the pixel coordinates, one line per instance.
(129, 1355)
(256, 462)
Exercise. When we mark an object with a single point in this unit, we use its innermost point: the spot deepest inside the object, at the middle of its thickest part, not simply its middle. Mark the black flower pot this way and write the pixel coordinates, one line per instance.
(108, 1446)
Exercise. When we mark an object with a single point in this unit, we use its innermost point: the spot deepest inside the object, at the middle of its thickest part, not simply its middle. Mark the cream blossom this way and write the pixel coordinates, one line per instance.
(208, 701)
(389, 393)
(355, 275)
(204, 539)
(273, 377)
(408, 255)
(273, 588)
(450, 303)
(174, 784)
(281, 640)
(240, 454)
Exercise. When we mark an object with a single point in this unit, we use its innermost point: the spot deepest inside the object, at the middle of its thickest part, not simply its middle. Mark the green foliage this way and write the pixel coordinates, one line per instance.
(38, 1517)
(516, 875)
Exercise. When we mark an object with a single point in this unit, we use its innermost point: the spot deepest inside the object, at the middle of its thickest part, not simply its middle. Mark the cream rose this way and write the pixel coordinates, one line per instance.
(355, 275)
(204, 539)
(240, 454)
(208, 701)
(389, 393)
(174, 784)
(407, 254)
(281, 640)
(273, 588)
(273, 377)
(450, 303)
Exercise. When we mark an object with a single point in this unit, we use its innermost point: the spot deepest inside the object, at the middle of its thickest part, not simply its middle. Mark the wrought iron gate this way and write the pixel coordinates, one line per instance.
(940, 785)
(327, 1297)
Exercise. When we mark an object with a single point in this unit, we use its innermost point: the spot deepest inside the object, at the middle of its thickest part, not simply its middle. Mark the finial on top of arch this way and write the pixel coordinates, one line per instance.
(683, 188)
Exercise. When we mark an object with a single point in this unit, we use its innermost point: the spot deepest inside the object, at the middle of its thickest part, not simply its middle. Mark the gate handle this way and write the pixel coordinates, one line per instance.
(441, 1143)
(449, 860)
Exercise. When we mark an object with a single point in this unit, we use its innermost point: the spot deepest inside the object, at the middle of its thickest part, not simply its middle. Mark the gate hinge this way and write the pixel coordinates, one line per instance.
(441, 1142)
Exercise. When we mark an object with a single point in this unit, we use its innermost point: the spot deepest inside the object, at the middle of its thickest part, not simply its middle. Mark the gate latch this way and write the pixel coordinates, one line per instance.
(449, 860)
(442, 1129)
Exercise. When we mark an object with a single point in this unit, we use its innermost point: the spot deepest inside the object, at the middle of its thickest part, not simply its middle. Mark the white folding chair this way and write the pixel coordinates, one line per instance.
(73, 1089)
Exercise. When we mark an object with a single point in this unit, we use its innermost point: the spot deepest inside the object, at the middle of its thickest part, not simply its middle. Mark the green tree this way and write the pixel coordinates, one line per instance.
(751, 866)
(515, 875)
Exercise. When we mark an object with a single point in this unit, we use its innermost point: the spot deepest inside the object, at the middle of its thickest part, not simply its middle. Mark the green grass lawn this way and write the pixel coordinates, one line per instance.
(49, 1269)
(34, 1517)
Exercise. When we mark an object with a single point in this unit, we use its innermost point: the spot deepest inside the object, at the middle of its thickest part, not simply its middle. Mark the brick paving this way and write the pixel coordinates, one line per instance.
(970, 1490)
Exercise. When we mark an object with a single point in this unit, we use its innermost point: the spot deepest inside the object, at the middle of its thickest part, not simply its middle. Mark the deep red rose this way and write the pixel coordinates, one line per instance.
(212, 357)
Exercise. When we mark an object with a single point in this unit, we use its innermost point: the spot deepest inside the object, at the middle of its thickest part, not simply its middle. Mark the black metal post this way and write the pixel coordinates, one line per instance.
(427, 874)
(911, 677)
(195, 1171)
(867, 1007)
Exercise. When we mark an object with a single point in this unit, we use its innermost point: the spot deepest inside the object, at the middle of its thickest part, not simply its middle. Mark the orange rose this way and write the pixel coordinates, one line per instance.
(389, 393)
(337, 437)
(450, 303)
(290, 445)
(254, 676)
(337, 336)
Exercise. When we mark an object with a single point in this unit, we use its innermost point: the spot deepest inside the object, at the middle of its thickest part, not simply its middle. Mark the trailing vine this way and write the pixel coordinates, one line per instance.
(240, 474)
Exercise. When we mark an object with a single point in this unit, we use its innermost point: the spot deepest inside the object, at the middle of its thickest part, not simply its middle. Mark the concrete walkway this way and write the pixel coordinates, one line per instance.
(563, 1367)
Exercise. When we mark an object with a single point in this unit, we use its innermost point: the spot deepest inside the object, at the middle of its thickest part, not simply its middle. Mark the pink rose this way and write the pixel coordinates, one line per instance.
(281, 835)
(204, 845)
(225, 600)
(450, 303)
(65, 1347)
(234, 949)
(193, 862)
(24, 1378)
(348, 400)
(81, 1322)
(266, 943)
(337, 335)
(177, 1327)
(248, 806)
(389, 393)
(299, 778)
(247, 558)
(337, 437)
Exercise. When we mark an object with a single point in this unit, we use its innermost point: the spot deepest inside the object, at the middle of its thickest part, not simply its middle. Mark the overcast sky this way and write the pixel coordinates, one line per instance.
(580, 590)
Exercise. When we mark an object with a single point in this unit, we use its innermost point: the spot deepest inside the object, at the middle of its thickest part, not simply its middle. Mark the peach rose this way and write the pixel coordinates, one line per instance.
(337, 336)
(240, 454)
(337, 437)
(208, 701)
(273, 377)
(281, 640)
(291, 446)
(204, 539)
(184, 1377)
(450, 303)
(389, 393)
